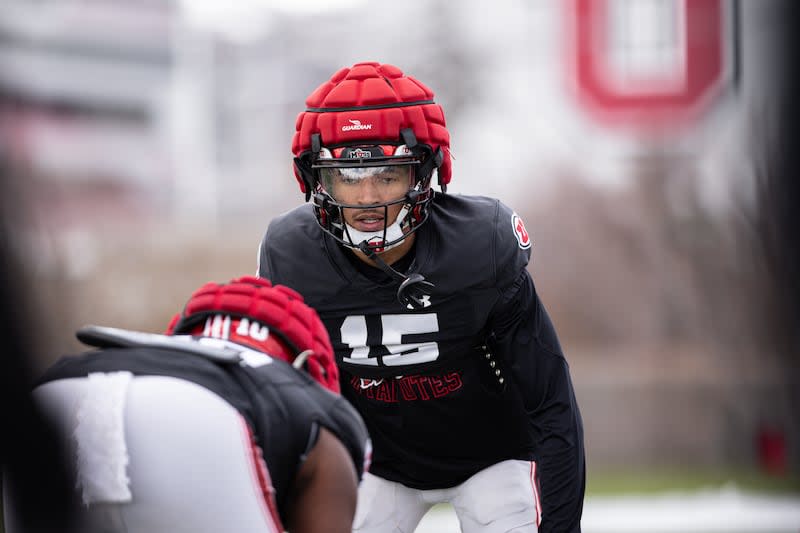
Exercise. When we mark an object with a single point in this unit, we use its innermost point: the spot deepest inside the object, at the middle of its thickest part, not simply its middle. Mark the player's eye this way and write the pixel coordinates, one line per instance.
(395, 176)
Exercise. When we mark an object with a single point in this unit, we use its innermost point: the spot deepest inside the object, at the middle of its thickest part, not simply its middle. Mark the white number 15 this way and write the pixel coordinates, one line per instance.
(394, 327)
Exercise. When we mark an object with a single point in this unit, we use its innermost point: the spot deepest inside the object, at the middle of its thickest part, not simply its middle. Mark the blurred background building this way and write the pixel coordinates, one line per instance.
(148, 145)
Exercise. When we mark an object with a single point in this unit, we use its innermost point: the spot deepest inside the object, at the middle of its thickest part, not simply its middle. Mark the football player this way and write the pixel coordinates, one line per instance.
(442, 342)
(232, 421)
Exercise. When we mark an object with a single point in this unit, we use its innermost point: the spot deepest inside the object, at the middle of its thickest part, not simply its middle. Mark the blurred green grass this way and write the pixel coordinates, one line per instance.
(604, 482)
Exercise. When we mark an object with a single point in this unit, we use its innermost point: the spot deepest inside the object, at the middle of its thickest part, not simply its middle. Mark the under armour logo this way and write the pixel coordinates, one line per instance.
(415, 292)
(425, 299)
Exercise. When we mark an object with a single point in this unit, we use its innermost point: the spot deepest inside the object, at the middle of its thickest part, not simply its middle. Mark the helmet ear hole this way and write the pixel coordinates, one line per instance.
(326, 211)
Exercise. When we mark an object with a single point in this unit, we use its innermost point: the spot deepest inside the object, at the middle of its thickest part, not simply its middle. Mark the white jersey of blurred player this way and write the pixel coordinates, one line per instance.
(175, 439)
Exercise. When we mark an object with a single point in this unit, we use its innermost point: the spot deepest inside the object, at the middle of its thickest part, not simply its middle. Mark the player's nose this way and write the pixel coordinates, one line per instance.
(368, 192)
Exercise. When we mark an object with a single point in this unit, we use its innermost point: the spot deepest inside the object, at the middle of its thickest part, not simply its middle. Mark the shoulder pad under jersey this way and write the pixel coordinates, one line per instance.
(465, 224)
(338, 416)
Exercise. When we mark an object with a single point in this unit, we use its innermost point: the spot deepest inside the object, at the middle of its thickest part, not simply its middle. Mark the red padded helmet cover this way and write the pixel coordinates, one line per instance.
(279, 308)
(372, 102)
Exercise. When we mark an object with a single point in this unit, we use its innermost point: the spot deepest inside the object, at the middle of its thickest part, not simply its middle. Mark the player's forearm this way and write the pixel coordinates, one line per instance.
(560, 456)
(562, 482)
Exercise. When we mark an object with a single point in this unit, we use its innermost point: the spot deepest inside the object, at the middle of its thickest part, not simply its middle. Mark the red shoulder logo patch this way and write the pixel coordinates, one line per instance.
(520, 232)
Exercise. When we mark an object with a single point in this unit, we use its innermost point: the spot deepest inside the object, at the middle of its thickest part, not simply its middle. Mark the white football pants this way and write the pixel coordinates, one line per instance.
(502, 498)
(158, 454)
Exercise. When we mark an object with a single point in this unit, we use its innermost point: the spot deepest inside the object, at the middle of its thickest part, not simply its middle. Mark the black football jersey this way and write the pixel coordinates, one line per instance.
(457, 385)
(283, 407)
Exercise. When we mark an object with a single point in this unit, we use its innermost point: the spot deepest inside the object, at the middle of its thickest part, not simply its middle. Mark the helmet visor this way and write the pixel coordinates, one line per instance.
(355, 175)
(352, 185)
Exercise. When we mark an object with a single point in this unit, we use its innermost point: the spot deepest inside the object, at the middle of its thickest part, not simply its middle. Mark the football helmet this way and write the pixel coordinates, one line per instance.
(371, 122)
(272, 319)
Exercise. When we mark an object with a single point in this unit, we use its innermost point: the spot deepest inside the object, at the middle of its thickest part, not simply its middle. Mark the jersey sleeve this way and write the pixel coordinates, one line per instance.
(525, 339)
(512, 245)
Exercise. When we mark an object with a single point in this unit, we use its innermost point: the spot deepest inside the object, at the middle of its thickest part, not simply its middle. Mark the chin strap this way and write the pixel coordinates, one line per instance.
(413, 289)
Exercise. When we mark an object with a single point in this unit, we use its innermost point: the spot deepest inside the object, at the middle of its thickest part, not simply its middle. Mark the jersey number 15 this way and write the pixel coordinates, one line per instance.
(355, 333)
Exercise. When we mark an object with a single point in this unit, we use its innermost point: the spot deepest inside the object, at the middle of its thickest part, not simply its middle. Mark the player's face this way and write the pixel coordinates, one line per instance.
(370, 187)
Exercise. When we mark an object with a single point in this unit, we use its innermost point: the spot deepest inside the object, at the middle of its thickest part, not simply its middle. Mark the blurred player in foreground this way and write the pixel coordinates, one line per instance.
(231, 422)
(30, 449)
